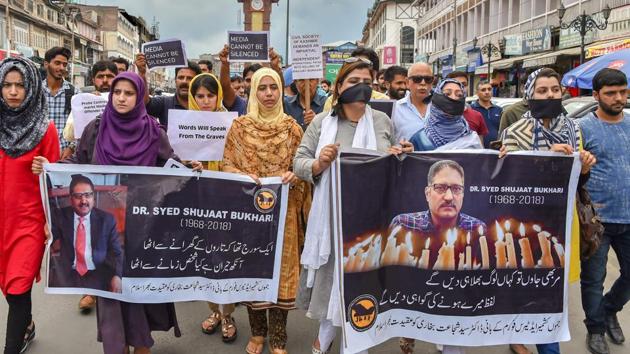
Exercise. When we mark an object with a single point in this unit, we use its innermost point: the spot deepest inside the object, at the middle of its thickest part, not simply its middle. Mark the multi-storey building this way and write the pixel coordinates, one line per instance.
(523, 35)
(390, 30)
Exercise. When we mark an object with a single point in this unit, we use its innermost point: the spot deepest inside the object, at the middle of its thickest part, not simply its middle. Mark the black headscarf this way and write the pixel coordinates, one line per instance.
(22, 128)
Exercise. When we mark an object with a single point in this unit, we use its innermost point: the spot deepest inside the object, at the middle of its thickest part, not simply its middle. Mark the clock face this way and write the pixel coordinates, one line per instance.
(257, 5)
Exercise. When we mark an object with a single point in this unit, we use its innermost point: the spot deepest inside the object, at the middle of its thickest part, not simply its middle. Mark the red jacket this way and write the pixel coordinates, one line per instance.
(475, 121)
(22, 216)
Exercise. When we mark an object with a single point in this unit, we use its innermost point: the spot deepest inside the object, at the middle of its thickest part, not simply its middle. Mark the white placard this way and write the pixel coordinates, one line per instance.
(306, 54)
(199, 135)
(85, 108)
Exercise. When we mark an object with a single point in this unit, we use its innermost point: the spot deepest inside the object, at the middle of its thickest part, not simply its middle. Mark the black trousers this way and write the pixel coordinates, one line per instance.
(17, 321)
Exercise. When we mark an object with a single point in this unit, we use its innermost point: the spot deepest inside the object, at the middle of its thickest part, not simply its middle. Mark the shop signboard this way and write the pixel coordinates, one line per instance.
(537, 40)
(513, 44)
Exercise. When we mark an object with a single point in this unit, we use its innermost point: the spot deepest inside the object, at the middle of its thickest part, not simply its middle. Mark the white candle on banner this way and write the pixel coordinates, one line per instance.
(468, 252)
(511, 248)
(389, 254)
(483, 244)
(499, 247)
(546, 260)
(426, 255)
(446, 254)
(527, 259)
(559, 250)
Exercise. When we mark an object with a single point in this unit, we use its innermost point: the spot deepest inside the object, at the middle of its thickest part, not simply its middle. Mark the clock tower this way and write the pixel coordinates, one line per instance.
(257, 14)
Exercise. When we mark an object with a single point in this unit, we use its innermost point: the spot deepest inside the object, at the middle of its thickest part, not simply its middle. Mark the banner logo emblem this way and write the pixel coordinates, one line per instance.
(363, 311)
(265, 200)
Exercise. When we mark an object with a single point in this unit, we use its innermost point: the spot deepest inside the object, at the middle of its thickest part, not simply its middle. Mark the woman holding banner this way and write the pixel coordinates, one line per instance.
(351, 124)
(25, 132)
(205, 94)
(262, 143)
(126, 135)
(545, 128)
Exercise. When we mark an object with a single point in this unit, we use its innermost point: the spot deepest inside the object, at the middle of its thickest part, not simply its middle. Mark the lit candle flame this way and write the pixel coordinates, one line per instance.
(394, 231)
(427, 243)
(451, 236)
(480, 230)
(537, 228)
(521, 230)
(499, 231)
(507, 225)
(468, 238)
(554, 239)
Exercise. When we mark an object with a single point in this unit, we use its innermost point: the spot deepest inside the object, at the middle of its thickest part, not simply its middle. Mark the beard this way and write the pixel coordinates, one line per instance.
(608, 109)
(397, 94)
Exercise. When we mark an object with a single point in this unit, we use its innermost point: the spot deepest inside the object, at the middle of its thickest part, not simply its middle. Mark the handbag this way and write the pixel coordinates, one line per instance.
(591, 227)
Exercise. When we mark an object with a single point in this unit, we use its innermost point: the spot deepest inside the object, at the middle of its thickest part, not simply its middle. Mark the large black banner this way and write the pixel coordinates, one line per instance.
(155, 235)
(454, 248)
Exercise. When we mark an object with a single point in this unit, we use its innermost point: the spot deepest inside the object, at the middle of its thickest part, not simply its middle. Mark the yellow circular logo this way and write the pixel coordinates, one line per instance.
(362, 312)
(265, 200)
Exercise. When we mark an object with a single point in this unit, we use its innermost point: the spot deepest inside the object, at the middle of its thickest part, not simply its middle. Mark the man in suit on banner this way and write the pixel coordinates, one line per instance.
(90, 254)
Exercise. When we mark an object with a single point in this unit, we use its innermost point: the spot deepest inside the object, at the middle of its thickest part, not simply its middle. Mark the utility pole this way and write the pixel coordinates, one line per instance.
(286, 48)
(454, 34)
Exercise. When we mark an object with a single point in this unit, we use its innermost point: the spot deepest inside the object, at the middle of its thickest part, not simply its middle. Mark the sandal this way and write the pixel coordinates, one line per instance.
(29, 335)
(227, 324)
(257, 342)
(210, 324)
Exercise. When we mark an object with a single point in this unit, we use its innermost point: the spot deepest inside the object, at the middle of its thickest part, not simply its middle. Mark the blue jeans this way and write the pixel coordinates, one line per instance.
(596, 305)
(551, 348)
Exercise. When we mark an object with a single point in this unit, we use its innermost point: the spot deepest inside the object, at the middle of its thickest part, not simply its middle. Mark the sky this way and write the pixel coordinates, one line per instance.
(202, 24)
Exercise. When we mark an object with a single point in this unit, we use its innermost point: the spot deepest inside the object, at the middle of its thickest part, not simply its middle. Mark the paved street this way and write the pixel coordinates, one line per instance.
(61, 329)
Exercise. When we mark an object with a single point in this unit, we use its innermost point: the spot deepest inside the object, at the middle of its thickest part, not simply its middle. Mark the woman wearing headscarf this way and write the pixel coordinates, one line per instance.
(545, 128)
(126, 135)
(351, 124)
(205, 94)
(446, 128)
(25, 132)
(262, 143)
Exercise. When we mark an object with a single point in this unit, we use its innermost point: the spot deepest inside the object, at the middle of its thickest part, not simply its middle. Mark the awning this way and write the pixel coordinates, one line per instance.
(604, 47)
(502, 64)
(549, 58)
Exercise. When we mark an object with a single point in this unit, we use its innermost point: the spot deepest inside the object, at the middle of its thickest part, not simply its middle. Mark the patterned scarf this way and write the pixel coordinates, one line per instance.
(22, 128)
(562, 130)
(441, 127)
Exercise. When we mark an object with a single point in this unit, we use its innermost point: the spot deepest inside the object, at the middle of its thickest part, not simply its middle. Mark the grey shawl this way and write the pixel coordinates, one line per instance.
(22, 128)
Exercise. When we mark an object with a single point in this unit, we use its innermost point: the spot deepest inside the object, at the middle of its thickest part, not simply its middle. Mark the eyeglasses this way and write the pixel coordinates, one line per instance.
(441, 188)
(419, 78)
(356, 59)
(79, 196)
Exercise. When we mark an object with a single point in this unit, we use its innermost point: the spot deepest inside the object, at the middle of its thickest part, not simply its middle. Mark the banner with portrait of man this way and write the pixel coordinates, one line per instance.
(454, 248)
(153, 235)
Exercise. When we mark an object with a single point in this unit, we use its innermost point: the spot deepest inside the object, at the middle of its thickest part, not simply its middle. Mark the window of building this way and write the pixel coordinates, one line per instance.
(40, 10)
(20, 32)
(53, 40)
(406, 45)
(50, 15)
(39, 39)
(29, 6)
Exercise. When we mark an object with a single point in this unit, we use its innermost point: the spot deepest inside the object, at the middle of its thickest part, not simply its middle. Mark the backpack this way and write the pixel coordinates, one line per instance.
(69, 92)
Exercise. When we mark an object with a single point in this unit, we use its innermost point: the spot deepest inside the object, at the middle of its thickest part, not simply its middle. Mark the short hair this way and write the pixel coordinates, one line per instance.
(440, 165)
(104, 65)
(609, 77)
(208, 63)
(456, 74)
(54, 51)
(370, 54)
(345, 70)
(392, 71)
(192, 66)
(381, 73)
(78, 179)
(325, 81)
(123, 61)
(547, 72)
(207, 81)
(253, 68)
(483, 82)
(236, 78)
